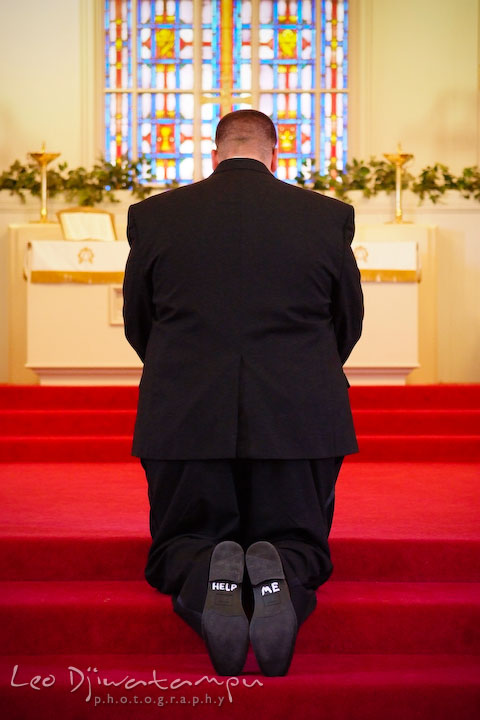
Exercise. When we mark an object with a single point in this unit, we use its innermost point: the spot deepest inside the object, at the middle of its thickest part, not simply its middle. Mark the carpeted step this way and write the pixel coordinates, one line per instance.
(131, 617)
(17, 397)
(67, 422)
(417, 448)
(406, 559)
(95, 421)
(68, 448)
(73, 558)
(124, 558)
(114, 448)
(417, 422)
(337, 687)
(421, 397)
(361, 396)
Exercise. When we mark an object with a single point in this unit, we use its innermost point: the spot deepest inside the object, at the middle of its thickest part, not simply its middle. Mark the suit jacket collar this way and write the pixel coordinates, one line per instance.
(242, 164)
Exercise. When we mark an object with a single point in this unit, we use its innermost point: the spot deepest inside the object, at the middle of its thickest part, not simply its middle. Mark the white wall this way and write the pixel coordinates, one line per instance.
(414, 71)
(40, 79)
(414, 78)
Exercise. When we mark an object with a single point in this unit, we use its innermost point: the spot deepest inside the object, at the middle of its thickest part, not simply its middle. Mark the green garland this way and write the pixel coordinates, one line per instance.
(85, 187)
(379, 175)
(92, 187)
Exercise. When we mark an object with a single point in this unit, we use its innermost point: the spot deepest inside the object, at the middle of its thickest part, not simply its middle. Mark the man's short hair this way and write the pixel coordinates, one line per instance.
(246, 127)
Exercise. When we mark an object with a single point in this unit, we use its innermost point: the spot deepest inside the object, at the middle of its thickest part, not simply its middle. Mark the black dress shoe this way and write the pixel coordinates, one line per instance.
(273, 627)
(224, 623)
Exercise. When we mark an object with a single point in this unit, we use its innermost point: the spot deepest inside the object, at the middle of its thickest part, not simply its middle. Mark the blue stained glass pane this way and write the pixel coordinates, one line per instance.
(118, 126)
(333, 105)
(118, 52)
(287, 65)
(165, 134)
(242, 48)
(344, 158)
(165, 45)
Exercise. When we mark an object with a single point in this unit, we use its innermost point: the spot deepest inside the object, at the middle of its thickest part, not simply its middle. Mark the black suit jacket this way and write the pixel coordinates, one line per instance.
(242, 297)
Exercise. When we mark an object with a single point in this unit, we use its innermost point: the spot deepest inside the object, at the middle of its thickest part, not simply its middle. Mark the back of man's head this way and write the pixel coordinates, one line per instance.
(246, 133)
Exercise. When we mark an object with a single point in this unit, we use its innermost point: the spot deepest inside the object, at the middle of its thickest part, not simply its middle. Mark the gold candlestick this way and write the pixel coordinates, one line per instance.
(398, 159)
(43, 158)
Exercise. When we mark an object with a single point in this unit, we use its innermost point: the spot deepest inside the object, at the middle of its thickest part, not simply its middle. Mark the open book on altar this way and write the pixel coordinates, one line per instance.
(84, 223)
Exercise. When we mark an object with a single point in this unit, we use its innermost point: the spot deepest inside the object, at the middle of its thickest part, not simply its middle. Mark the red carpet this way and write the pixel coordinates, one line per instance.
(397, 631)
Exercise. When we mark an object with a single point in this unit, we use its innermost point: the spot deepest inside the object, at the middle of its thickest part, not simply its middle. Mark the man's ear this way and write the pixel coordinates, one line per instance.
(274, 163)
(215, 159)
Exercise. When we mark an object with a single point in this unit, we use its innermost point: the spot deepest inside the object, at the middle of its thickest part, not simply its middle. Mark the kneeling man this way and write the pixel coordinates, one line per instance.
(243, 299)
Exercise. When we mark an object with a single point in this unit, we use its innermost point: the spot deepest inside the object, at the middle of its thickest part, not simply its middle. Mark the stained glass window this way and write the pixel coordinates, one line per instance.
(172, 69)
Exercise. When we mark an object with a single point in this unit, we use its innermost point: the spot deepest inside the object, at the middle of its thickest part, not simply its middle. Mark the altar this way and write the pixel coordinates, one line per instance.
(66, 324)
(397, 264)
(69, 326)
(74, 313)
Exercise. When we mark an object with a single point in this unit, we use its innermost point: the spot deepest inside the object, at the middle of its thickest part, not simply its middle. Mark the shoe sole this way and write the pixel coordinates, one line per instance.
(224, 623)
(273, 627)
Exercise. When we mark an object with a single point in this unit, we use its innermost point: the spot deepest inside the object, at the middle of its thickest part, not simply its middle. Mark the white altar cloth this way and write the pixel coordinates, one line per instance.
(70, 261)
(388, 261)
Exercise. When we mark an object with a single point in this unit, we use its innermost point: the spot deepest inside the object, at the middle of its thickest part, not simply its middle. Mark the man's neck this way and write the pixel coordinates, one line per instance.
(246, 157)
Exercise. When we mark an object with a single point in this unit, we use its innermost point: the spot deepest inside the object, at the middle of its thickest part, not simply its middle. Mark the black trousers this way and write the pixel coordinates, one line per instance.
(195, 504)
